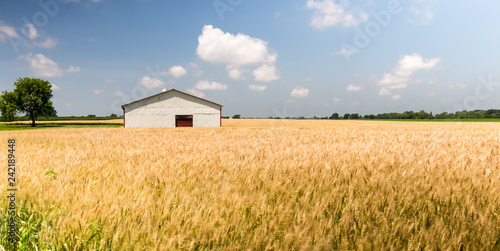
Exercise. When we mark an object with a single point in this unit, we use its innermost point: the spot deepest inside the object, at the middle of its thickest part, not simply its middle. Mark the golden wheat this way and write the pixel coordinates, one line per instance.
(265, 184)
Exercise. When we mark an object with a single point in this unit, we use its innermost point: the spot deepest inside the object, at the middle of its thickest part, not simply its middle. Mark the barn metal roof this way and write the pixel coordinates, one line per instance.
(170, 91)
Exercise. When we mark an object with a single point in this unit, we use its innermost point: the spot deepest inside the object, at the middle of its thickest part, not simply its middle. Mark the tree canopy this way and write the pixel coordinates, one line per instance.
(30, 96)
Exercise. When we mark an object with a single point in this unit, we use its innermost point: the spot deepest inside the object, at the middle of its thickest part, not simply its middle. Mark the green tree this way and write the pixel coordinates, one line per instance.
(8, 106)
(237, 116)
(422, 115)
(30, 96)
(347, 116)
(334, 116)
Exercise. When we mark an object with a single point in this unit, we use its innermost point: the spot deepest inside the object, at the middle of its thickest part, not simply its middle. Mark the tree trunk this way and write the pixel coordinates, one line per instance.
(32, 120)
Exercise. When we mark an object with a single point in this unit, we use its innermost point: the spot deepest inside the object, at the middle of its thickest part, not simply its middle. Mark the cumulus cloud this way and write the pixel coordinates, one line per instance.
(266, 73)
(54, 87)
(396, 97)
(300, 92)
(234, 72)
(337, 101)
(176, 71)
(400, 75)
(196, 69)
(43, 66)
(425, 16)
(354, 88)
(47, 43)
(151, 83)
(74, 69)
(30, 31)
(207, 85)
(97, 92)
(257, 88)
(7, 31)
(32, 37)
(328, 13)
(216, 46)
(423, 11)
(118, 93)
(196, 93)
(346, 52)
(384, 92)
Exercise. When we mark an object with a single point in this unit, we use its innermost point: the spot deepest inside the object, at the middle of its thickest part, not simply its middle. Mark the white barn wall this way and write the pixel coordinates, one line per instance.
(160, 111)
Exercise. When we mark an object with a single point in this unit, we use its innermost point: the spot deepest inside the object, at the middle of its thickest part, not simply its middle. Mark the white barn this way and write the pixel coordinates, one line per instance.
(172, 108)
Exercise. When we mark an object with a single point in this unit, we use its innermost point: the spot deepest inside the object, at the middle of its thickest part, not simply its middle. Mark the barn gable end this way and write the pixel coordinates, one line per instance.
(171, 108)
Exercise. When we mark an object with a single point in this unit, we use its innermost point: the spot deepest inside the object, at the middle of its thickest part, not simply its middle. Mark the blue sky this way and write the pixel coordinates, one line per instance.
(258, 58)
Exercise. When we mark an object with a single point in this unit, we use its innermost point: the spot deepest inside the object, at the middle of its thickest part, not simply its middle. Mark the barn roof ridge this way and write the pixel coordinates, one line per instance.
(170, 91)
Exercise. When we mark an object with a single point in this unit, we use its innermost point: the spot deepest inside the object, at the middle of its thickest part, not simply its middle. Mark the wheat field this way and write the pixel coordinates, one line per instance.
(261, 185)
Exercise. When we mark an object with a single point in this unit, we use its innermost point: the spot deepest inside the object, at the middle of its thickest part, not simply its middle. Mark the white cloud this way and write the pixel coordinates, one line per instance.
(336, 101)
(309, 79)
(196, 68)
(196, 93)
(354, 88)
(459, 85)
(346, 52)
(110, 81)
(151, 83)
(423, 11)
(54, 87)
(33, 38)
(396, 97)
(266, 73)
(118, 93)
(43, 66)
(300, 92)
(47, 43)
(384, 92)
(97, 92)
(234, 72)
(30, 31)
(176, 71)
(207, 85)
(257, 88)
(328, 13)
(30, 36)
(74, 69)
(400, 75)
(425, 16)
(218, 47)
(7, 31)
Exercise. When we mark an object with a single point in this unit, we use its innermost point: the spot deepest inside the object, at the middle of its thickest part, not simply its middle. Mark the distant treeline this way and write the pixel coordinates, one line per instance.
(56, 118)
(477, 114)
